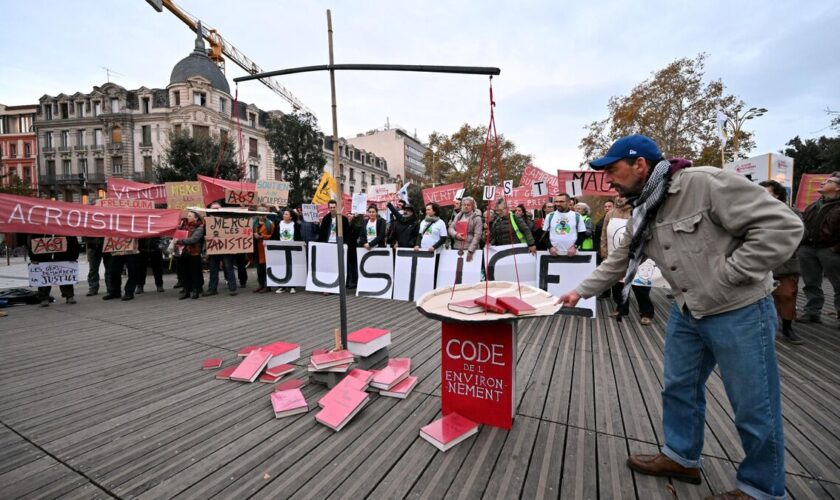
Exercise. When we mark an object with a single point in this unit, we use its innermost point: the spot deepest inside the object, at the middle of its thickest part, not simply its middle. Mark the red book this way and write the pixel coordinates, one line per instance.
(516, 305)
(461, 228)
(342, 407)
(294, 383)
(247, 350)
(269, 379)
(282, 353)
(448, 431)
(211, 364)
(465, 306)
(251, 367)
(363, 375)
(290, 402)
(367, 341)
(490, 304)
(328, 359)
(224, 373)
(396, 371)
(402, 389)
(343, 385)
(334, 369)
(279, 370)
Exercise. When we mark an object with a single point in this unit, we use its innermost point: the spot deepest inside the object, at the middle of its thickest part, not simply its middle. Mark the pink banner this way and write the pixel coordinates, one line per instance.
(522, 196)
(124, 189)
(214, 189)
(593, 182)
(807, 191)
(532, 174)
(442, 195)
(22, 214)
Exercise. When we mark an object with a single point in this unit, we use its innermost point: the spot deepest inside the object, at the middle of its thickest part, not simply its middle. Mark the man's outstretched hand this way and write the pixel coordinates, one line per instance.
(569, 300)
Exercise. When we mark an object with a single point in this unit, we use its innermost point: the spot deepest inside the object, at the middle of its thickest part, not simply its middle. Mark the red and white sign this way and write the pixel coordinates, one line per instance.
(23, 214)
(56, 244)
(592, 182)
(124, 203)
(442, 195)
(478, 369)
(120, 246)
(807, 191)
(122, 189)
(524, 196)
(533, 174)
(214, 189)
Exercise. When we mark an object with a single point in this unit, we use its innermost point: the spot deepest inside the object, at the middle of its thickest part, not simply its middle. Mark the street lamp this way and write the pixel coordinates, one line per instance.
(737, 121)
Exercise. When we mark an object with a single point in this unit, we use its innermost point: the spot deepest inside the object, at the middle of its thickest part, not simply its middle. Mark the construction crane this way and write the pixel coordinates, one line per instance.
(220, 47)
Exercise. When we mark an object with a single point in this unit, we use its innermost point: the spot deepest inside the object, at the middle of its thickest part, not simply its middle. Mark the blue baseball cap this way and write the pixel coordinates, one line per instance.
(631, 146)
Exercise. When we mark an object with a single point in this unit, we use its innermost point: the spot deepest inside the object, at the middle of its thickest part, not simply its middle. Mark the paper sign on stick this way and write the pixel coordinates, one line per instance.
(539, 188)
(53, 273)
(323, 267)
(120, 246)
(55, 244)
(507, 188)
(489, 193)
(310, 212)
(414, 273)
(228, 235)
(376, 272)
(183, 195)
(273, 193)
(573, 188)
(459, 194)
(359, 203)
(240, 197)
(285, 263)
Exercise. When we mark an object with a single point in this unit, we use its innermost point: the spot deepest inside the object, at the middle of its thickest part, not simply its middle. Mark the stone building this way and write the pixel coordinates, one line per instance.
(358, 168)
(17, 144)
(112, 131)
(403, 152)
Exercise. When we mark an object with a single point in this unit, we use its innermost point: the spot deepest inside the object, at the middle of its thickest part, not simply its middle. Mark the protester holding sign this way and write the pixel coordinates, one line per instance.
(263, 228)
(565, 228)
(150, 255)
(122, 259)
(715, 236)
(214, 261)
(432, 231)
(70, 254)
(193, 279)
(509, 229)
(373, 235)
(403, 228)
(466, 227)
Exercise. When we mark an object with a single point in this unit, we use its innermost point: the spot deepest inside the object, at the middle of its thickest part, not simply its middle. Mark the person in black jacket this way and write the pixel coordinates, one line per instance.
(150, 254)
(404, 228)
(327, 234)
(373, 230)
(70, 254)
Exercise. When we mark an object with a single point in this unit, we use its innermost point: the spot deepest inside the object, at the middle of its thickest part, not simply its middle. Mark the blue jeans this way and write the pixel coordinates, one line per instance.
(213, 282)
(741, 343)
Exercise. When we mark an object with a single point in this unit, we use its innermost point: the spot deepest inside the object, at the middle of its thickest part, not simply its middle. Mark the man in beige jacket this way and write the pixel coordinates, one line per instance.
(716, 237)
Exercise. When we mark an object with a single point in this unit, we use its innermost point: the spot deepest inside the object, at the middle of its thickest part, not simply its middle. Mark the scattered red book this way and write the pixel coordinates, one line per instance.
(491, 304)
(211, 364)
(402, 389)
(290, 402)
(224, 373)
(347, 383)
(465, 306)
(247, 350)
(269, 379)
(363, 375)
(396, 371)
(294, 383)
(448, 431)
(282, 353)
(367, 341)
(334, 358)
(342, 407)
(279, 370)
(516, 305)
(251, 367)
(335, 369)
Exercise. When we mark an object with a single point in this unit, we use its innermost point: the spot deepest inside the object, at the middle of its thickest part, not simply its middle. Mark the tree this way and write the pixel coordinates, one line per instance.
(813, 156)
(187, 157)
(15, 186)
(456, 158)
(296, 142)
(676, 109)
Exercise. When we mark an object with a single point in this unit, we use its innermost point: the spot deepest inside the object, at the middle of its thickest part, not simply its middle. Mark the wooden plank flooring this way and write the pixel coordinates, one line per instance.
(104, 399)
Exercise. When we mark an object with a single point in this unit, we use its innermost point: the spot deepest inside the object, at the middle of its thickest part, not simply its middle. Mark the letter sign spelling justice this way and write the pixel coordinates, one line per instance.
(507, 188)
(376, 272)
(538, 188)
(323, 267)
(285, 263)
(489, 193)
(416, 274)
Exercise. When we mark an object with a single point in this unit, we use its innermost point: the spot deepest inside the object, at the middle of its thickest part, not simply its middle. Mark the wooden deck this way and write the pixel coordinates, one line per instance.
(106, 399)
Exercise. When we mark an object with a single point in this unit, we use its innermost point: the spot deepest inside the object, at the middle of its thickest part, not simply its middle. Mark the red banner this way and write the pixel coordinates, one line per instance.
(532, 174)
(442, 195)
(214, 189)
(123, 189)
(522, 196)
(807, 191)
(593, 182)
(22, 214)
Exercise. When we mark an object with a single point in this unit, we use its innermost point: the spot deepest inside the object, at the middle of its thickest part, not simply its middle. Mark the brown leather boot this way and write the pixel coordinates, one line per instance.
(731, 495)
(660, 465)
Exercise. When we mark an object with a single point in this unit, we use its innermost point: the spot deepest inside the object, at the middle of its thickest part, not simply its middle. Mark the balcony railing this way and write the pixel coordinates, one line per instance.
(115, 146)
(48, 149)
(80, 147)
(63, 149)
(146, 144)
(46, 179)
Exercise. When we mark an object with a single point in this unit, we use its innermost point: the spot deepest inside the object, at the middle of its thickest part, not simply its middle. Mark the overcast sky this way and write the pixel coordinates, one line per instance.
(560, 61)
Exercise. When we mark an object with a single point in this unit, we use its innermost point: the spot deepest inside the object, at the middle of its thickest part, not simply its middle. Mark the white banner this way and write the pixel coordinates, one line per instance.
(454, 268)
(416, 276)
(285, 263)
(648, 273)
(323, 267)
(53, 273)
(561, 274)
(505, 261)
(376, 272)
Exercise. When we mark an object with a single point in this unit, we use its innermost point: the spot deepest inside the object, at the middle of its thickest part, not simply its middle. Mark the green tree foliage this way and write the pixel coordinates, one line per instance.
(813, 156)
(456, 158)
(15, 186)
(296, 142)
(677, 109)
(187, 157)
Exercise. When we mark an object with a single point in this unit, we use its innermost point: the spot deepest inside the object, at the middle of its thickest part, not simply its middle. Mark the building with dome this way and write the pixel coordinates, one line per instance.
(83, 138)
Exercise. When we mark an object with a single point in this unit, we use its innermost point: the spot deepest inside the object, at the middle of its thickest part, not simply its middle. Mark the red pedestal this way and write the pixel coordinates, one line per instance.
(478, 371)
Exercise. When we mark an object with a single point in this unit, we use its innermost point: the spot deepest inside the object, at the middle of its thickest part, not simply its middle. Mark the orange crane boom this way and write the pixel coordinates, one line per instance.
(220, 47)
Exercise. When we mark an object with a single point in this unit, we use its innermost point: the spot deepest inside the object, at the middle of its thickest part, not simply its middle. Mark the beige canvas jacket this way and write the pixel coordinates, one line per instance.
(716, 239)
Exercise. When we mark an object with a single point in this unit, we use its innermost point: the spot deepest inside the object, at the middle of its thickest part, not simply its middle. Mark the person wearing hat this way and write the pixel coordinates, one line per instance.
(191, 256)
(404, 228)
(820, 251)
(716, 237)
